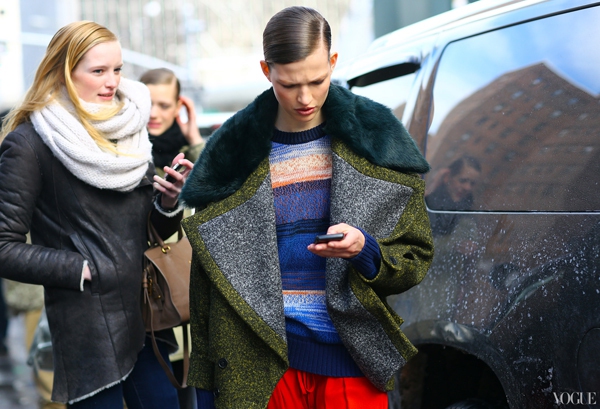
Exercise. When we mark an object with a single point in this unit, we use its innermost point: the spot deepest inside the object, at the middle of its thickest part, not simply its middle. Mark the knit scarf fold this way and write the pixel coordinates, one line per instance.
(61, 130)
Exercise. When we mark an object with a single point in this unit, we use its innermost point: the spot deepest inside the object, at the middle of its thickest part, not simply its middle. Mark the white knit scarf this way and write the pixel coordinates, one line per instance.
(61, 130)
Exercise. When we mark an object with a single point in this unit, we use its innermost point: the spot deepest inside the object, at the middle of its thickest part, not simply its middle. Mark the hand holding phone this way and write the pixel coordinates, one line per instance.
(178, 168)
(324, 238)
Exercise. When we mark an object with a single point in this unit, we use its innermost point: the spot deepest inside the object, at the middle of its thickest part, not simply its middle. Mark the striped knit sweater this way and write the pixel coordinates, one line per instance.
(300, 165)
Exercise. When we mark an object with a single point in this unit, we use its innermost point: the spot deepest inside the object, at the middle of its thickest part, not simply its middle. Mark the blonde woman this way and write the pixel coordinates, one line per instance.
(77, 173)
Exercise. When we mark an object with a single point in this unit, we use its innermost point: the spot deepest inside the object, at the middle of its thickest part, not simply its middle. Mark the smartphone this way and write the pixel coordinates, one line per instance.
(178, 168)
(324, 238)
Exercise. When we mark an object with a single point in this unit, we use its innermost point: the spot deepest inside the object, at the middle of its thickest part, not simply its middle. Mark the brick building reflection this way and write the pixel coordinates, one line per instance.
(535, 133)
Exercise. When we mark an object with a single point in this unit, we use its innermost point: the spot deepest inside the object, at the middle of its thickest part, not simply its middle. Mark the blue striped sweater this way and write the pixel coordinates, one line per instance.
(300, 165)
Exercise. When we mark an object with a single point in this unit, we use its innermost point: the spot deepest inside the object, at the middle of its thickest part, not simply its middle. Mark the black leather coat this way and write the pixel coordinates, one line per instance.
(98, 332)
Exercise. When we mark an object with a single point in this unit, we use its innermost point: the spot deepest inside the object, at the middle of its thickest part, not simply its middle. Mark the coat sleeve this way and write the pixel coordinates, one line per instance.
(407, 253)
(20, 189)
(165, 226)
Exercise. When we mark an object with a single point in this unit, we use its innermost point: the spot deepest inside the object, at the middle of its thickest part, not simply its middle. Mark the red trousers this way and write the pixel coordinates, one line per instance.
(302, 390)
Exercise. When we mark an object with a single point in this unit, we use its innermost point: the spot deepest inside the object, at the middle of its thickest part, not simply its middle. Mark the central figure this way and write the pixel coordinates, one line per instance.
(279, 321)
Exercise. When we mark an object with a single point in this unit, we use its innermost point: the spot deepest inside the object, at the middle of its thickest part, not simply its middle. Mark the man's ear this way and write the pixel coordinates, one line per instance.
(264, 66)
(333, 60)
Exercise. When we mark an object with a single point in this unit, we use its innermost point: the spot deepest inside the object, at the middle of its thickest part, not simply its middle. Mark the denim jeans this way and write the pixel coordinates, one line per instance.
(146, 387)
(205, 399)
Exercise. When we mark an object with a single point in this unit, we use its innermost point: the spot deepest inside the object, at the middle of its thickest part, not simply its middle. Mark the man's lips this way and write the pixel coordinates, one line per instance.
(305, 111)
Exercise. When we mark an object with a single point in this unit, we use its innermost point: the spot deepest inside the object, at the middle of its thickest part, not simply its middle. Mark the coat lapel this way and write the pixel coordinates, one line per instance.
(358, 187)
(239, 236)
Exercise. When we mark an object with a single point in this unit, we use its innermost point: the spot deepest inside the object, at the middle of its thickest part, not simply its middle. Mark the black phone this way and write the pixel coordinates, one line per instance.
(324, 238)
(178, 168)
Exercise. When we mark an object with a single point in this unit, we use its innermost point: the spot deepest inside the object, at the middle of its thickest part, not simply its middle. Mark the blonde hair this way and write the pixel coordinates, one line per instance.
(66, 49)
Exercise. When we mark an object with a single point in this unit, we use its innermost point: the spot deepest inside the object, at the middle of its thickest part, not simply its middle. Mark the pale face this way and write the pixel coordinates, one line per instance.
(462, 184)
(97, 75)
(165, 107)
(301, 89)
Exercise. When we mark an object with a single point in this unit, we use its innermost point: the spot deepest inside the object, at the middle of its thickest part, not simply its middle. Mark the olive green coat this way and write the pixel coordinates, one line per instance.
(238, 327)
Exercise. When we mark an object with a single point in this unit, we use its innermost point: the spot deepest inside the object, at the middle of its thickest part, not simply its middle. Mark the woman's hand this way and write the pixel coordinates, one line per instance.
(352, 243)
(171, 188)
(189, 128)
(87, 274)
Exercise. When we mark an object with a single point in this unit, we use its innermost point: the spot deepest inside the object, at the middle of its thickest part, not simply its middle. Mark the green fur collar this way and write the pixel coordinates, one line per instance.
(237, 148)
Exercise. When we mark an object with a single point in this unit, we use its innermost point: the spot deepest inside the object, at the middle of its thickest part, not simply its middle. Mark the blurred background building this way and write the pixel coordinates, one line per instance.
(213, 46)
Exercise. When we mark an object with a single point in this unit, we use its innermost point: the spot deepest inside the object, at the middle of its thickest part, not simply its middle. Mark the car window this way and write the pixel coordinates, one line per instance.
(516, 118)
(391, 93)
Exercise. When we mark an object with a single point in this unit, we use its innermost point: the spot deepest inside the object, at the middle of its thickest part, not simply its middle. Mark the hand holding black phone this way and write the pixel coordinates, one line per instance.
(178, 168)
(324, 238)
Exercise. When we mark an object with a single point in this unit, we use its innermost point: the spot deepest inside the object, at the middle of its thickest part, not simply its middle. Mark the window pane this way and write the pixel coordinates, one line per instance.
(391, 93)
(523, 101)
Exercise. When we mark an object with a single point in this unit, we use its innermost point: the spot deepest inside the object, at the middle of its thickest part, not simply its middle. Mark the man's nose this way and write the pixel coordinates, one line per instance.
(304, 96)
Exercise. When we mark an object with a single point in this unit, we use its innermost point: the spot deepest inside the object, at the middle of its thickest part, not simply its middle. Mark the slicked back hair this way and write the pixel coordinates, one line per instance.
(293, 34)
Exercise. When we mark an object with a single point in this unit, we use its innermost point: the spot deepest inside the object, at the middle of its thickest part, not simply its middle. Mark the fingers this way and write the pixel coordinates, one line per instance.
(177, 158)
(170, 189)
(176, 178)
(188, 103)
(352, 243)
(190, 128)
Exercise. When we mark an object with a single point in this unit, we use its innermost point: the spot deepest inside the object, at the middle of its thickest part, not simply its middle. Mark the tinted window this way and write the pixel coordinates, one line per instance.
(523, 103)
(391, 93)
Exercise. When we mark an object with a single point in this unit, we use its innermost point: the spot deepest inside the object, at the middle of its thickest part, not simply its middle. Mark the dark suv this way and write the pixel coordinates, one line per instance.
(503, 99)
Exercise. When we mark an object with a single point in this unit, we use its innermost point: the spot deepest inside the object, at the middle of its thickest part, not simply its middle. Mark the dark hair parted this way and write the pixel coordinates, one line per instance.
(293, 34)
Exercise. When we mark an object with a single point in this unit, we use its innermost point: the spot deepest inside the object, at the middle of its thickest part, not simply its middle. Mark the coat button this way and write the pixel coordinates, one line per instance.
(222, 363)
(393, 260)
(216, 393)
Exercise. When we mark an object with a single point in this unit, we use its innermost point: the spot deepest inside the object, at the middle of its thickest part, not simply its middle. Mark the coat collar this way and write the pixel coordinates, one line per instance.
(237, 148)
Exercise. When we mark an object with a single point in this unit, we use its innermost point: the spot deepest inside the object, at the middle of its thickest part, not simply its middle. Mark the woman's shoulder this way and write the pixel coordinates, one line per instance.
(25, 139)
(27, 131)
(24, 130)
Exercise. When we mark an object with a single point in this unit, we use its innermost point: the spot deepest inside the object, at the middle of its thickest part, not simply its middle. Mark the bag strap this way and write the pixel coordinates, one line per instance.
(161, 361)
(155, 239)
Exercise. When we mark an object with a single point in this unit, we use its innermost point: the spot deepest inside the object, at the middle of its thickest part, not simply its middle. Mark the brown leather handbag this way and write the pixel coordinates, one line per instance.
(165, 297)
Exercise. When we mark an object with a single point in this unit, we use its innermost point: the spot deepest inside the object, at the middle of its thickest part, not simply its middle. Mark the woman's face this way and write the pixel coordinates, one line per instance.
(97, 75)
(165, 107)
(301, 89)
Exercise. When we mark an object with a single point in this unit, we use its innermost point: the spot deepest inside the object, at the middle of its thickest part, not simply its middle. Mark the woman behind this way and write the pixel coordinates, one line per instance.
(169, 135)
(77, 173)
